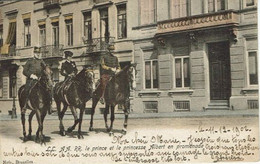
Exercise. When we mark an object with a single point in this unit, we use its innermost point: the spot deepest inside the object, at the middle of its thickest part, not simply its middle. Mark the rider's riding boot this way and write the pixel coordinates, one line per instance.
(25, 105)
(102, 101)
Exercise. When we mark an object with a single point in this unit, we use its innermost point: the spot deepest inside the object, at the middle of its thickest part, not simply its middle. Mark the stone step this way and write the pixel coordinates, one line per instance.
(217, 108)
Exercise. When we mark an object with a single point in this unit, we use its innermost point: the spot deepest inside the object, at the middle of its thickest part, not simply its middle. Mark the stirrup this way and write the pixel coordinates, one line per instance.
(101, 100)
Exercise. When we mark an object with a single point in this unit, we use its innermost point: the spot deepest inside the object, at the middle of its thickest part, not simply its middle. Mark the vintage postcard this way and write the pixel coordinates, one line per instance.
(129, 81)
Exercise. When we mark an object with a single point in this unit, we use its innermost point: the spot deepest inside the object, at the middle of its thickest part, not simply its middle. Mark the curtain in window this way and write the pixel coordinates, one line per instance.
(178, 8)
(211, 7)
(155, 74)
(10, 38)
(186, 72)
(252, 62)
(221, 5)
(178, 73)
(183, 8)
(147, 71)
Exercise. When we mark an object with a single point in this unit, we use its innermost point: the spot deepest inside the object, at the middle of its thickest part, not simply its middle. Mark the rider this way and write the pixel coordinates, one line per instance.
(109, 67)
(68, 67)
(33, 70)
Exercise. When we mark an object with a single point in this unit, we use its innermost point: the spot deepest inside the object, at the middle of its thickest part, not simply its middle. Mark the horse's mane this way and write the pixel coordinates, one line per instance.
(79, 75)
(123, 70)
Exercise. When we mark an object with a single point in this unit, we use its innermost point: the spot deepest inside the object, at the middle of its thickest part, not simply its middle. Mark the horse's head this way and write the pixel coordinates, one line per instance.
(87, 76)
(46, 77)
(131, 72)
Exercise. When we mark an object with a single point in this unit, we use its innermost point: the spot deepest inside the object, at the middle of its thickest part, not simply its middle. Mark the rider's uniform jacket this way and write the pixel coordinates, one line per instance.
(107, 62)
(33, 66)
(68, 67)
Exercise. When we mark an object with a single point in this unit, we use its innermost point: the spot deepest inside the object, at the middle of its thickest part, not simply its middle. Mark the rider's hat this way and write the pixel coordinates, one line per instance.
(68, 54)
(37, 49)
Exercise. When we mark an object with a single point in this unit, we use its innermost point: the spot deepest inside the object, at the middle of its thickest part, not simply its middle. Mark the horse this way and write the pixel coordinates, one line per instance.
(74, 94)
(39, 102)
(117, 92)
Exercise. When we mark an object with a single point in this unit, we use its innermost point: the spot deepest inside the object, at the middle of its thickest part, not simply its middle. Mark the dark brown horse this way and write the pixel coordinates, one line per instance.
(39, 101)
(117, 92)
(75, 93)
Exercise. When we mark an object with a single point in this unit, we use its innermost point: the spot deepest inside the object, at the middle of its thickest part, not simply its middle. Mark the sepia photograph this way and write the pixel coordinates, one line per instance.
(129, 81)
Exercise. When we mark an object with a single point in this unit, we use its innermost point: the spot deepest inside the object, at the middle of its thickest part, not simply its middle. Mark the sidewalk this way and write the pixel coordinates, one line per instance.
(207, 113)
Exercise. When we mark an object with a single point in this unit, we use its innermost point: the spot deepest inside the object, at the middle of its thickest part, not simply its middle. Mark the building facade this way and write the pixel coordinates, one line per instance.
(191, 55)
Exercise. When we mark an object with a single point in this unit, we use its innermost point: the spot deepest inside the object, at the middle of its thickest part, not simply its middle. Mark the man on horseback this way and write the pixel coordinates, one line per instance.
(68, 67)
(109, 67)
(33, 71)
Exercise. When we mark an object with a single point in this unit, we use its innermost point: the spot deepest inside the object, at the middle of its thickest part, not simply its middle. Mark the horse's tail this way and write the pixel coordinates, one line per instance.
(20, 97)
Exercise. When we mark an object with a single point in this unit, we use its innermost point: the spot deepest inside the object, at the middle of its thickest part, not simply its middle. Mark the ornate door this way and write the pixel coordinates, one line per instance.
(219, 67)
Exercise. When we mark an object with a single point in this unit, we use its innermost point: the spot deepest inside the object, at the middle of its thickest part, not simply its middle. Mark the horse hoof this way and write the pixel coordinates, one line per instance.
(111, 133)
(124, 131)
(90, 128)
(29, 137)
(69, 130)
(62, 133)
(25, 139)
(80, 136)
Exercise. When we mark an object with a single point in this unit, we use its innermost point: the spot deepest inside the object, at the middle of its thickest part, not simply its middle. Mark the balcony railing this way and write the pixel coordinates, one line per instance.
(50, 4)
(225, 18)
(49, 51)
(99, 44)
(11, 53)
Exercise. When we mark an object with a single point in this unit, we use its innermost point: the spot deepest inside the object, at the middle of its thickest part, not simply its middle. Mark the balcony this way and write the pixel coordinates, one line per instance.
(50, 51)
(51, 4)
(12, 52)
(204, 21)
(98, 44)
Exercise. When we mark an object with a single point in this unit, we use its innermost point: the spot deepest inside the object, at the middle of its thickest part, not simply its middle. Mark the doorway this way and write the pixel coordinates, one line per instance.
(219, 71)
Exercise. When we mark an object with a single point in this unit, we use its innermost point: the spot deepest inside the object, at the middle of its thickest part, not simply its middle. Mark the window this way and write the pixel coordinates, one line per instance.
(179, 8)
(121, 21)
(55, 33)
(27, 34)
(87, 26)
(42, 38)
(104, 28)
(252, 64)
(150, 106)
(151, 74)
(182, 72)
(69, 32)
(216, 5)
(147, 11)
(1, 36)
(250, 3)
(1, 85)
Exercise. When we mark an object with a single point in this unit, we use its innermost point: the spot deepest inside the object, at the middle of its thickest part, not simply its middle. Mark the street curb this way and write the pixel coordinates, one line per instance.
(203, 114)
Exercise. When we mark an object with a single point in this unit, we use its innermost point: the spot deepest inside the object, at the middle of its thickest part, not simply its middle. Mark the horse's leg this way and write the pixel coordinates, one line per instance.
(105, 116)
(126, 119)
(94, 104)
(23, 123)
(76, 120)
(40, 126)
(30, 124)
(61, 127)
(80, 136)
(42, 119)
(112, 118)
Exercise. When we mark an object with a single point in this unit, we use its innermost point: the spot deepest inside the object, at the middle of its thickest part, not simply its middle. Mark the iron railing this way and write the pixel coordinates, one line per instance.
(99, 44)
(48, 4)
(52, 51)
